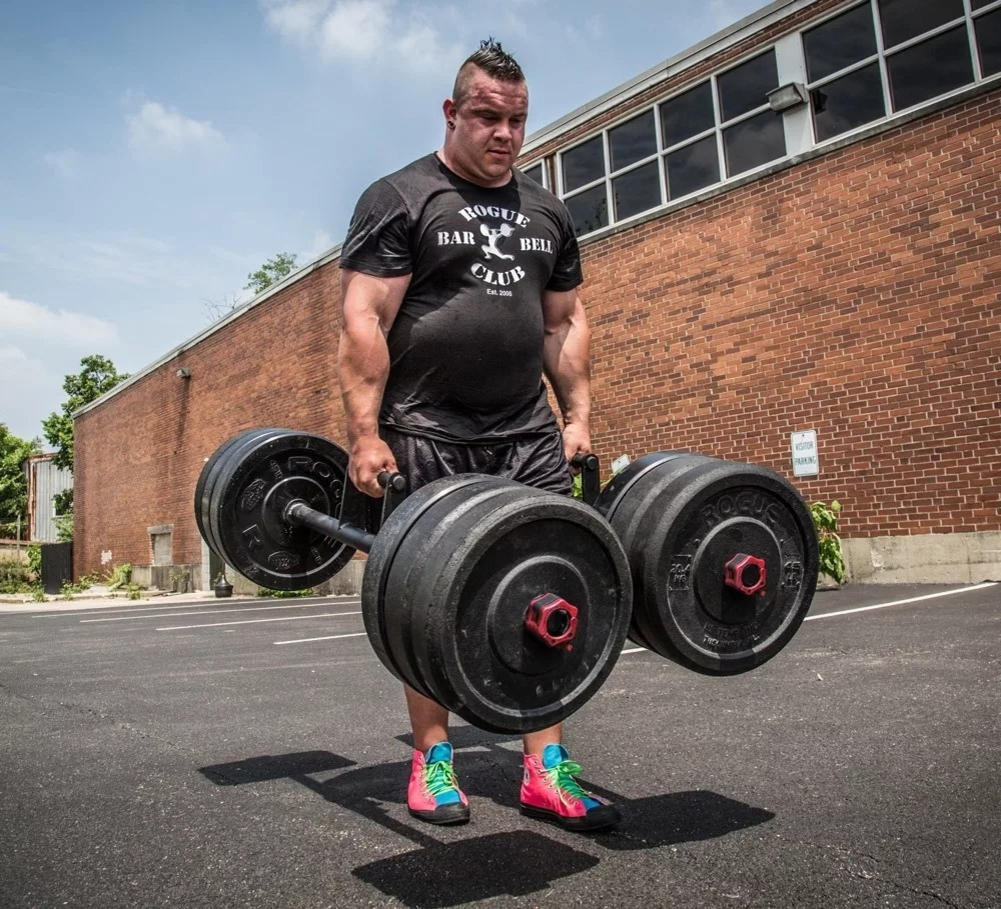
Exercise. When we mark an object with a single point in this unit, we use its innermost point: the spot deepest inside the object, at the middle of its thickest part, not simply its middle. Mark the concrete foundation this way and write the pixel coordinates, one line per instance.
(932, 558)
(345, 583)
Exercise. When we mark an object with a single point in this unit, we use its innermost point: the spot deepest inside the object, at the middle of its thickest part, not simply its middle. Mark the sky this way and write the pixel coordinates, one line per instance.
(153, 154)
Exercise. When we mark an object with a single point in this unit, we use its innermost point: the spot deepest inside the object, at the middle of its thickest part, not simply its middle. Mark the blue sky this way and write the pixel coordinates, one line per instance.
(153, 154)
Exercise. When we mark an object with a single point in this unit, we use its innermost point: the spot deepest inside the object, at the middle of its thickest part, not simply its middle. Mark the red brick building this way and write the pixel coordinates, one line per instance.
(795, 226)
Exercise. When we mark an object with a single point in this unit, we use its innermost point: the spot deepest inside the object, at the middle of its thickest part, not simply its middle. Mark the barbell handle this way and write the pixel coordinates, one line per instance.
(394, 487)
(299, 514)
(590, 476)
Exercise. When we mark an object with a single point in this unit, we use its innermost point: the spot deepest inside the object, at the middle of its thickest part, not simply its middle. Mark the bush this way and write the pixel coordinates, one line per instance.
(825, 520)
(15, 576)
(119, 576)
(35, 561)
(64, 528)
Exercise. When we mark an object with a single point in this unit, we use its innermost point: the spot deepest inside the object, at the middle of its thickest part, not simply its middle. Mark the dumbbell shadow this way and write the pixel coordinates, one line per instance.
(467, 869)
(490, 768)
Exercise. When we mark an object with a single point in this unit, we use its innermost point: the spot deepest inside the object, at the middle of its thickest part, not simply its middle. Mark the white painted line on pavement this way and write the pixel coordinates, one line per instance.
(290, 618)
(171, 615)
(927, 596)
(104, 610)
(634, 650)
(329, 637)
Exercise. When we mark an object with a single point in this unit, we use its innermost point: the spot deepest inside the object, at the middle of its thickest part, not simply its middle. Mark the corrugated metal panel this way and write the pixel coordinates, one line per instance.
(44, 481)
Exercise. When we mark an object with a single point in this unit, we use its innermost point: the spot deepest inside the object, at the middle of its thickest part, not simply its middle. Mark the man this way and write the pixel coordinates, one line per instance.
(459, 289)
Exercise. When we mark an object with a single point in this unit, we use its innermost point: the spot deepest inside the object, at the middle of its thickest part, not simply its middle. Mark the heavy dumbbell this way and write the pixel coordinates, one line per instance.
(508, 605)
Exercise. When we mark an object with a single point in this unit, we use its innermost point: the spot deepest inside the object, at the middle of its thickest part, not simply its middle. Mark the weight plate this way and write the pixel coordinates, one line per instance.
(681, 518)
(207, 478)
(386, 575)
(466, 567)
(248, 489)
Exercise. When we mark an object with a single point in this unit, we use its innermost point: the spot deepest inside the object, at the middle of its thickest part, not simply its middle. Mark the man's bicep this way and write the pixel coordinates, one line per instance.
(560, 307)
(366, 298)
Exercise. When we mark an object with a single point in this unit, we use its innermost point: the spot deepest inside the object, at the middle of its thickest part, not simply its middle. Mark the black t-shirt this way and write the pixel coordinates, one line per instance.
(466, 346)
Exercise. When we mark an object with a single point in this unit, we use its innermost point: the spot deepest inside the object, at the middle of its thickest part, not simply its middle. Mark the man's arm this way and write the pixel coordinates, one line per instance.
(370, 305)
(567, 364)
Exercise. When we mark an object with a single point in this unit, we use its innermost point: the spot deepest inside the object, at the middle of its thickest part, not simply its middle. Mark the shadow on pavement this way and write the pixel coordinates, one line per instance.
(678, 817)
(518, 863)
(372, 791)
(274, 767)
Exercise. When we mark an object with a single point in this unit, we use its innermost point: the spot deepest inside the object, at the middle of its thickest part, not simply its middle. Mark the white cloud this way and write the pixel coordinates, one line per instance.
(355, 31)
(297, 20)
(156, 130)
(23, 319)
(62, 162)
(28, 392)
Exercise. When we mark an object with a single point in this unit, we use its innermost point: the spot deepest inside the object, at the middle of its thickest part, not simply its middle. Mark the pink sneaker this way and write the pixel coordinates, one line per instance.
(550, 792)
(434, 794)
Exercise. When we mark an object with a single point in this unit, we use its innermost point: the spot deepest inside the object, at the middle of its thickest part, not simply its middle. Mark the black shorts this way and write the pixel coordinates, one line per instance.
(537, 461)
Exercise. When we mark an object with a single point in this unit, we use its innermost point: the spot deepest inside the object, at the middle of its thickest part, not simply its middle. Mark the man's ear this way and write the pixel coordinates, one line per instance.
(450, 111)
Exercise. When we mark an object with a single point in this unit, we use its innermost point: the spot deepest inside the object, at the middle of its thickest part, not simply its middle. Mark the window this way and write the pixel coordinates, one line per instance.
(839, 42)
(745, 88)
(989, 42)
(929, 69)
(754, 142)
(633, 141)
(583, 164)
(862, 64)
(692, 168)
(848, 102)
(536, 173)
(925, 46)
(906, 19)
(636, 191)
(696, 165)
(161, 543)
(631, 168)
(589, 210)
(687, 115)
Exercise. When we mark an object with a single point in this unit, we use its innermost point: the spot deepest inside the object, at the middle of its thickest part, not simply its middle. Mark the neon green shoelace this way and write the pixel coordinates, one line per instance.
(439, 777)
(562, 777)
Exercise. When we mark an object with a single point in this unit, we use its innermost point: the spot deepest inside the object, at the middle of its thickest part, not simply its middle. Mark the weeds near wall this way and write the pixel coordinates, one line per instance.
(825, 520)
(15, 576)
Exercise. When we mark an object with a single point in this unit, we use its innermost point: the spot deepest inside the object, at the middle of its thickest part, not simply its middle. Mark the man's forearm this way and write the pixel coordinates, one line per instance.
(363, 366)
(567, 362)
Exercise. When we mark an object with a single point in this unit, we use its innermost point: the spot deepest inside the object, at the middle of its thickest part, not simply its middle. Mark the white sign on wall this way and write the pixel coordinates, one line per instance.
(805, 458)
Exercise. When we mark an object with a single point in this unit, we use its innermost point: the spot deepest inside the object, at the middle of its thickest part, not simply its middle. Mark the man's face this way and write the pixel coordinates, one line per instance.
(489, 130)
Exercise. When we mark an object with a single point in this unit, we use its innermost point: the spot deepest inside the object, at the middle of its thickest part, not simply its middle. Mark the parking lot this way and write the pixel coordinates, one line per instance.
(254, 753)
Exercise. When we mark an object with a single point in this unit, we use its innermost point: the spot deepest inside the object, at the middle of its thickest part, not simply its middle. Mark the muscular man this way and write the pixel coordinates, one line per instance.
(459, 289)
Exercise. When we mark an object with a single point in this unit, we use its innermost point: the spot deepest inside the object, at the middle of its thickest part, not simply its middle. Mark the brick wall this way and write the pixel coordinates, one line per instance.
(855, 294)
(138, 456)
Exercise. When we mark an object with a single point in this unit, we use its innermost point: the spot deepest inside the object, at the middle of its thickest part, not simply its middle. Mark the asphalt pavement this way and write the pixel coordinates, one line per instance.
(254, 753)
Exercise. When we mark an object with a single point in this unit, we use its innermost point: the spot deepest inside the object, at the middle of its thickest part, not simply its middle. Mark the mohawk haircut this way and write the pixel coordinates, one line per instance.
(492, 59)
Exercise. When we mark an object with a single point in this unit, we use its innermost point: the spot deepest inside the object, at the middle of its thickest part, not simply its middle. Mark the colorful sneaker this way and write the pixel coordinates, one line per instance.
(434, 794)
(550, 792)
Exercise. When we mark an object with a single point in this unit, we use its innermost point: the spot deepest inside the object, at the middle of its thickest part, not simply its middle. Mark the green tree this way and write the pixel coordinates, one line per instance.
(273, 270)
(14, 452)
(97, 376)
